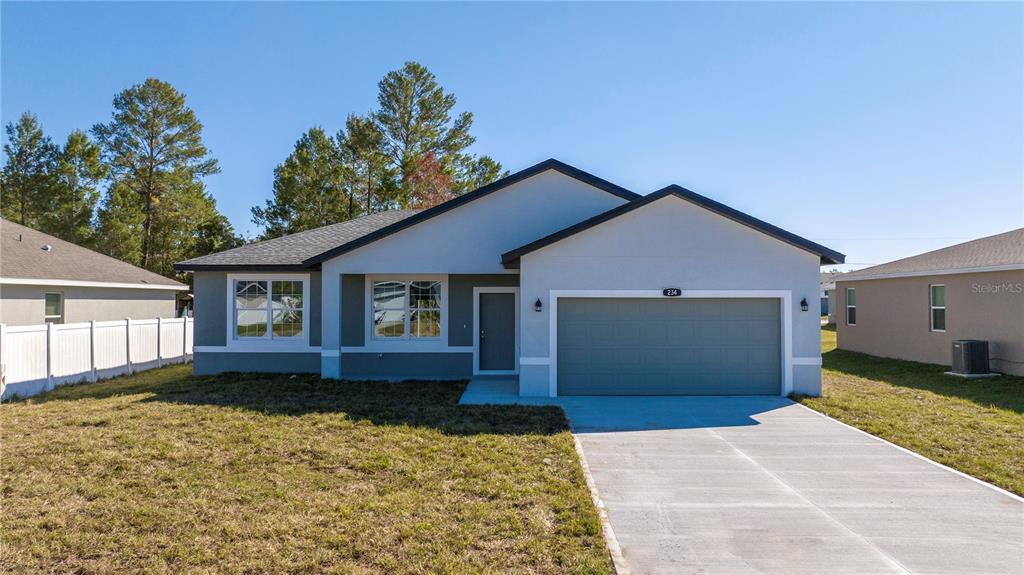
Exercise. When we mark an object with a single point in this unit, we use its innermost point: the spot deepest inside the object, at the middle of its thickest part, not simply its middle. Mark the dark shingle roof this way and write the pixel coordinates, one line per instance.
(289, 252)
(22, 257)
(1004, 251)
(510, 259)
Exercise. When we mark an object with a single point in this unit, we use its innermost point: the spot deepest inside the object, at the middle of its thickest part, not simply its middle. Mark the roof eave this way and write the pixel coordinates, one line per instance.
(187, 267)
(56, 281)
(936, 272)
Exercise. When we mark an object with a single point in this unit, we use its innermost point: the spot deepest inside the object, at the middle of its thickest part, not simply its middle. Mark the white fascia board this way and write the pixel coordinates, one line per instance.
(947, 272)
(78, 283)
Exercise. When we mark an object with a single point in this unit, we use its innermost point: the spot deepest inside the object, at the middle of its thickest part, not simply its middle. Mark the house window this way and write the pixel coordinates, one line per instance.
(269, 309)
(937, 302)
(851, 306)
(54, 308)
(406, 309)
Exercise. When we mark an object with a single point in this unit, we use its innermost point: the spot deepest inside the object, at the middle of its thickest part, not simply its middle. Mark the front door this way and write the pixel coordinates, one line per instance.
(497, 331)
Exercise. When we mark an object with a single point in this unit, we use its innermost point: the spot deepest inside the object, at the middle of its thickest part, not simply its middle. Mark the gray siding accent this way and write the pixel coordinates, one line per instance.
(353, 310)
(209, 304)
(633, 346)
(460, 303)
(209, 363)
(210, 308)
(399, 366)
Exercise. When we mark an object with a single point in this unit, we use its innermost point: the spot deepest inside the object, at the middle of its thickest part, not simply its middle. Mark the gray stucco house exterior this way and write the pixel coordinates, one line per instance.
(44, 279)
(553, 277)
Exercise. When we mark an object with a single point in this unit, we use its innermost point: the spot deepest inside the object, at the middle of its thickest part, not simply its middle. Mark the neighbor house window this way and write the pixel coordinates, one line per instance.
(937, 302)
(851, 306)
(406, 309)
(54, 308)
(269, 309)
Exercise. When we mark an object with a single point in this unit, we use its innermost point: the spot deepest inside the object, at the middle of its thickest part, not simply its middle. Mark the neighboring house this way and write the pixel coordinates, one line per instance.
(828, 290)
(915, 307)
(44, 279)
(553, 277)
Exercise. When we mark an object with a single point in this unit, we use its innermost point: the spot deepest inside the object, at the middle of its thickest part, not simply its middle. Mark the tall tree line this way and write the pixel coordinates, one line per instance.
(409, 152)
(133, 187)
(150, 161)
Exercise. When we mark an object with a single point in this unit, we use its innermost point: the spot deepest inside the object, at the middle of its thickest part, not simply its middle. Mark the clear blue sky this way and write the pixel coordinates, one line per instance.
(881, 130)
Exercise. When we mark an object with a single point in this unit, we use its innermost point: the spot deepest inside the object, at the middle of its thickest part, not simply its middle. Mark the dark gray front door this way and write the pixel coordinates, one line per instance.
(497, 331)
(669, 346)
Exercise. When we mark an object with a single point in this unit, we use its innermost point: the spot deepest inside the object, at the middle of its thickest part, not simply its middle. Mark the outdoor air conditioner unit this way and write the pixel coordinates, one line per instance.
(970, 357)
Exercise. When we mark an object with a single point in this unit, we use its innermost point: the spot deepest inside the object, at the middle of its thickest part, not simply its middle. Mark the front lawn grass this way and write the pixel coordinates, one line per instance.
(975, 426)
(164, 472)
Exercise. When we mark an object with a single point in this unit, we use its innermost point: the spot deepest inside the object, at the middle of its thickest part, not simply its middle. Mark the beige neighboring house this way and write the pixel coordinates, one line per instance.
(44, 279)
(915, 307)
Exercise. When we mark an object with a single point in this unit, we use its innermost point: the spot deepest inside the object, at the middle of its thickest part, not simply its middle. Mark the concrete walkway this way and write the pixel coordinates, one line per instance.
(762, 485)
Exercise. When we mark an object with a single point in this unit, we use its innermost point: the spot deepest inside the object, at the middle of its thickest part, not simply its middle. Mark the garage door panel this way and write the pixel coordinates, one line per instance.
(668, 346)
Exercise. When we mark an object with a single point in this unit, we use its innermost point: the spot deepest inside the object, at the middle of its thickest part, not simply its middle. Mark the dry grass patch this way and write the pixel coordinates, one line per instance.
(974, 426)
(163, 472)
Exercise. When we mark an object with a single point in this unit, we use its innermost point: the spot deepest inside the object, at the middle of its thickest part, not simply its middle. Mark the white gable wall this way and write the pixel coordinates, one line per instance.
(669, 243)
(466, 240)
(472, 237)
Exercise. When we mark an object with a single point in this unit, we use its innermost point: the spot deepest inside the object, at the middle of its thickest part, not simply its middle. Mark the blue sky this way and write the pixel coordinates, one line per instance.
(879, 129)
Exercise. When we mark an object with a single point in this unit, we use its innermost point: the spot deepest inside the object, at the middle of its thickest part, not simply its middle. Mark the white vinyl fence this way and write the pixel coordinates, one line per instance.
(37, 358)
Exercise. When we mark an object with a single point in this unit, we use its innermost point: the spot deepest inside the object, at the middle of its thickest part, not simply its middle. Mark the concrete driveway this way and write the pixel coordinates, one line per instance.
(762, 485)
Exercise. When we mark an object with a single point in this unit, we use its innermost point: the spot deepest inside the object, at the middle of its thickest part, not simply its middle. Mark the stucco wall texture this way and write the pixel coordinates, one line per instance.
(893, 317)
(670, 243)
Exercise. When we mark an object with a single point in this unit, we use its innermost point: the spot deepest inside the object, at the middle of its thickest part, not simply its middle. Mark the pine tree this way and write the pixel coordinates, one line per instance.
(474, 172)
(370, 180)
(415, 118)
(309, 188)
(75, 193)
(410, 152)
(157, 207)
(28, 174)
(119, 224)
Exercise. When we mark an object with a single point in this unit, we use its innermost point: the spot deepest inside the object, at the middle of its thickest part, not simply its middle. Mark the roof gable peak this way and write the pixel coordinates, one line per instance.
(511, 259)
(524, 174)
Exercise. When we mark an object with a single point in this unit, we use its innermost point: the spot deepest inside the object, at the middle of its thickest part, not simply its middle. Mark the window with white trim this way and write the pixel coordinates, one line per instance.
(406, 309)
(53, 311)
(937, 303)
(269, 309)
(851, 306)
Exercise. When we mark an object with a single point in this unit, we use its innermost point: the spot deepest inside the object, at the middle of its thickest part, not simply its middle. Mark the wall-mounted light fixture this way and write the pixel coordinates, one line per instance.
(538, 306)
(803, 304)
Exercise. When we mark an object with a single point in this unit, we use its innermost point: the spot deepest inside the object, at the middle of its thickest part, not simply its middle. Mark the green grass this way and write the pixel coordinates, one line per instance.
(974, 426)
(163, 472)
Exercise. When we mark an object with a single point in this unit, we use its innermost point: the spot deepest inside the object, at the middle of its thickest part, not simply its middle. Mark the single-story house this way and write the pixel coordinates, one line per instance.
(828, 290)
(914, 308)
(44, 279)
(553, 277)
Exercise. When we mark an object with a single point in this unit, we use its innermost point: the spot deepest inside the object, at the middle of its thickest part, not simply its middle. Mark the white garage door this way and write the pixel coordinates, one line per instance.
(669, 346)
